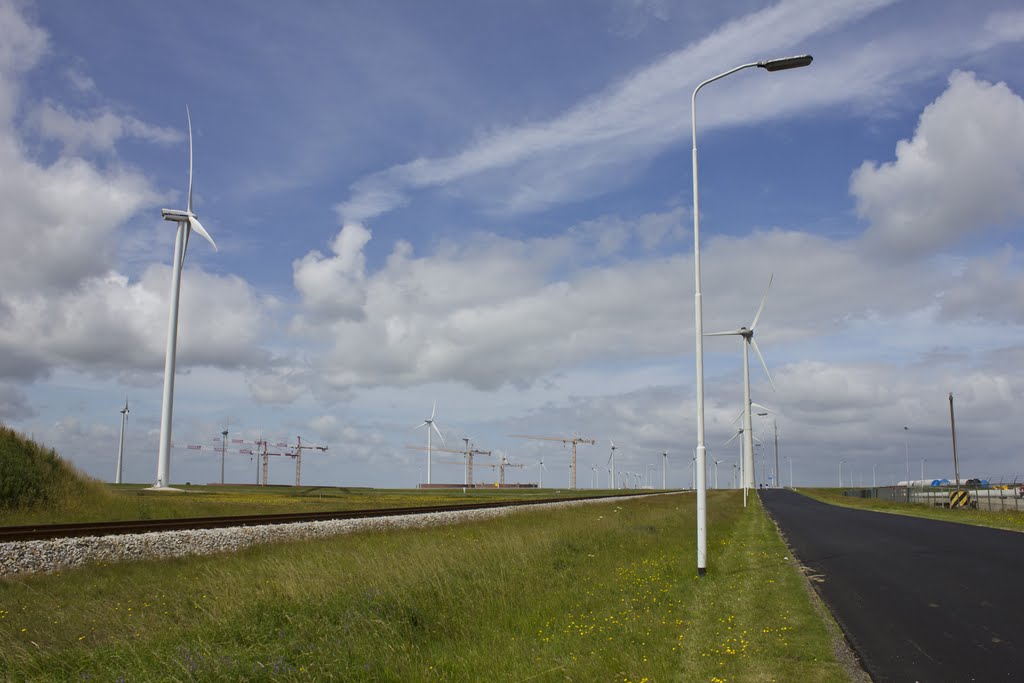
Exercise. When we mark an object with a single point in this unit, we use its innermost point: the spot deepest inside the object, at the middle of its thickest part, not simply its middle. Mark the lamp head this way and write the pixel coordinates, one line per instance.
(786, 63)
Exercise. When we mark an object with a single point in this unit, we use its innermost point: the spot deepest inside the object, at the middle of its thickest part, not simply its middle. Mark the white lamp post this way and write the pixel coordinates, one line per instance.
(701, 456)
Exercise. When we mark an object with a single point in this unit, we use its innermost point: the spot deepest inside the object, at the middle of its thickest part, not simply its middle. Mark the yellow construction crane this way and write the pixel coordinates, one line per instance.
(574, 439)
(468, 452)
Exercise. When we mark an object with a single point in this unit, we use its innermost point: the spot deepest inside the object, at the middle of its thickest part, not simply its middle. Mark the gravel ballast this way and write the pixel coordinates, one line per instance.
(52, 555)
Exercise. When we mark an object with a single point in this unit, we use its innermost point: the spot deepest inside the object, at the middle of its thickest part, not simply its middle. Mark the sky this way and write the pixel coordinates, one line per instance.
(489, 205)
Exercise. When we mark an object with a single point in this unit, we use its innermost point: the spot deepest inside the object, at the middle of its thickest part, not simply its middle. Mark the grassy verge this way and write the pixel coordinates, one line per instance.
(601, 592)
(1008, 519)
(132, 501)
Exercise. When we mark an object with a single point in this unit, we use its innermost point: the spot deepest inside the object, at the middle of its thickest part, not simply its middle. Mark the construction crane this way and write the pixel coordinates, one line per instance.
(501, 468)
(298, 456)
(574, 439)
(467, 452)
(262, 450)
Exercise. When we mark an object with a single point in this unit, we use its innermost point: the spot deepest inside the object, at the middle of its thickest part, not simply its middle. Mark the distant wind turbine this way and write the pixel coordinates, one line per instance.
(611, 459)
(429, 422)
(748, 340)
(120, 448)
(717, 462)
(540, 473)
(664, 469)
(187, 222)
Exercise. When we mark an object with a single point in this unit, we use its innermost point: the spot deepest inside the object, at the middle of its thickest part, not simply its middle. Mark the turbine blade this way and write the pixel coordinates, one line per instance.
(188, 116)
(724, 334)
(194, 223)
(433, 410)
(610, 458)
(420, 425)
(763, 298)
(438, 432)
(763, 364)
(742, 413)
(731, 438)
(758, 405)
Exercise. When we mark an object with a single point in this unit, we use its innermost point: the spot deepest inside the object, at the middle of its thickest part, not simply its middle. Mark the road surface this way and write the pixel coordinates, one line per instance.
(919, 600)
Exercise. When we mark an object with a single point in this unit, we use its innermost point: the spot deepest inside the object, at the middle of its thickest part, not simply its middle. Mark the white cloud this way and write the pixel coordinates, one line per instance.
(333, 286)
(960, 174)
(99, 132)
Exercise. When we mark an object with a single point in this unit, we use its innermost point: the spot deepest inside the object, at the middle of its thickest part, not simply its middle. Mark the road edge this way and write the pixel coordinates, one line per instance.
(842, 649)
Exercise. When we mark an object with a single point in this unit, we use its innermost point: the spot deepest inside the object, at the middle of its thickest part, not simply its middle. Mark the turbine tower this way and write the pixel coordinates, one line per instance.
(187, 222)
(611, 460)
(429, 422)
(120, 447)
(748, 340)
(540, 473)
(664, 469)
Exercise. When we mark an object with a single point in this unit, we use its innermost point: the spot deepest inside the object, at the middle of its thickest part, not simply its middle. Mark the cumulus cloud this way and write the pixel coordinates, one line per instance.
(960, 173)
(333, 286)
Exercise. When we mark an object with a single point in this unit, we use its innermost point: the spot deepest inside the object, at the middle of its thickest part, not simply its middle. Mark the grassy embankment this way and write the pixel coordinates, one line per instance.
(1009, 519)
(599, 592)
(38, 487)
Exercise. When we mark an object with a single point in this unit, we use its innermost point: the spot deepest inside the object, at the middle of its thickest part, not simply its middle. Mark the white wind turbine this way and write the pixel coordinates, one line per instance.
(187, 222)
(611, 460)
(541, 468)
(429, 422)
(664, 469)
(748, 340)
(717, 462)
(120, 447)
(593, 477)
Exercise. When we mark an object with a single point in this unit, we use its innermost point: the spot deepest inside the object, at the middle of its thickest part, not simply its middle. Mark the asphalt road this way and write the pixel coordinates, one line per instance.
(919, 600)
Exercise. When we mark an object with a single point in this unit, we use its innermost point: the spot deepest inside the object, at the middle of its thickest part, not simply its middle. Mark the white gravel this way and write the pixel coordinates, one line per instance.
(31, 557)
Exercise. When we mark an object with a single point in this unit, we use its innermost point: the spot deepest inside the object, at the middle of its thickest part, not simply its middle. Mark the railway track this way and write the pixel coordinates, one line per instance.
(36, 532)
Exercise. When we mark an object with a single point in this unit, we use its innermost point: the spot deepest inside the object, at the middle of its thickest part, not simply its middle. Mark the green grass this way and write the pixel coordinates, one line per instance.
(36, 480)
(1008, 519)
(601, 592)
(132, 501)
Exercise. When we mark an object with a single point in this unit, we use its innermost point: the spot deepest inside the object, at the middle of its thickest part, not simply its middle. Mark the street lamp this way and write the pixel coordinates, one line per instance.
(906, 446)
(701, 455)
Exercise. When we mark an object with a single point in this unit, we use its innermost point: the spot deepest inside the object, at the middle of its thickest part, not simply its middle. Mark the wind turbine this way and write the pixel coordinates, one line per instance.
(611, 459)
(593, 477)
(664, 469)
(429, 422)
(120, 448)
(540, 473)
(187, 222)
(717, 461)
(748, 340)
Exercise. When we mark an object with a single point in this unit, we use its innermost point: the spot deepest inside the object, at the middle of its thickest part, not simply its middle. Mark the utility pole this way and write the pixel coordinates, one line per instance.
(952, 426)
(775, 424)
(565, 440)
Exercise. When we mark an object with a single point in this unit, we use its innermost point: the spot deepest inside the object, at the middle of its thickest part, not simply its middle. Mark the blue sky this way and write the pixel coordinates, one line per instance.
(489, 205)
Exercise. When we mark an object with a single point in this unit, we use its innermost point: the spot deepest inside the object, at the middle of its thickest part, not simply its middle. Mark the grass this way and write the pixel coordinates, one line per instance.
(132, 501)
(35, 479)
(1008, 519)
(600, 592)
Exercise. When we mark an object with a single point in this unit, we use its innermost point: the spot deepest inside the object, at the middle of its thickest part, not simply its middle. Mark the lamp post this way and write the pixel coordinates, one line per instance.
(701, 455)
(906, 446)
